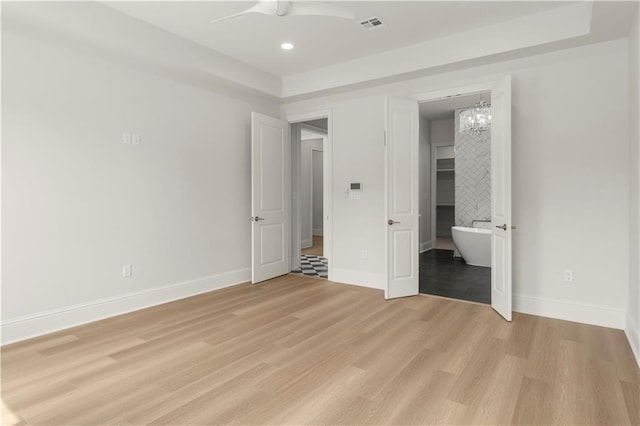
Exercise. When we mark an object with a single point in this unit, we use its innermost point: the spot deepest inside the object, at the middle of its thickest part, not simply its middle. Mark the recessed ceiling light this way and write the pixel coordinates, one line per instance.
(286, 46)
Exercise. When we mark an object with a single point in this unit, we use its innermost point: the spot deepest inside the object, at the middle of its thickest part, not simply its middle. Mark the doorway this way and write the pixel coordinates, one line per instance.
(402, 182)
(315, 246)
(455, 258)
(310, 254)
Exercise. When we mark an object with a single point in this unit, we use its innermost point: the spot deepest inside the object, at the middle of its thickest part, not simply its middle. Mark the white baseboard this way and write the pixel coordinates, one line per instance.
(306, 244)
(426, 246)
(359, 278)
(318, 232)
(570, 311)
(632, 330)
(28, 326)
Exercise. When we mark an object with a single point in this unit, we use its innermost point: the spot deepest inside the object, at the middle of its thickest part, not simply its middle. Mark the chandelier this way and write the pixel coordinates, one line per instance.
(476, 120)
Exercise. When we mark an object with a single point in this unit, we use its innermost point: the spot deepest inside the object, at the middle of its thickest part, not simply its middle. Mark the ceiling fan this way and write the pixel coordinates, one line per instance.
(289, 8)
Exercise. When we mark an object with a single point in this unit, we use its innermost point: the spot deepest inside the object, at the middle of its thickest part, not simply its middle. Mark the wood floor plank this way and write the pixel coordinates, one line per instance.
(317, 246)
(533, 397)
(298, 350)
(631, 392)
(427, 405)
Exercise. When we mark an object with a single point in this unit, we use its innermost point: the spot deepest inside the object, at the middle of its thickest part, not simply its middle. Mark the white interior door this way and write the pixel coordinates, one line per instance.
(402, 198)
(501, 198)
(270, 197)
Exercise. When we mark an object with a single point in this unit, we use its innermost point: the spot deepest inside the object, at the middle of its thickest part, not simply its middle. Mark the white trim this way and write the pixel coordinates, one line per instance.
(309, 116)
(28, 326)
(426, 246)
(317, 232)
(306, 243)
(444, 93)
(359, 278)
(570, 311)
(632, 331)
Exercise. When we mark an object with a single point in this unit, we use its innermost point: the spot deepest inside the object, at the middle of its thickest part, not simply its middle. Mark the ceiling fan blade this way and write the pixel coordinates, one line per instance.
(320, 9)
(254, 9)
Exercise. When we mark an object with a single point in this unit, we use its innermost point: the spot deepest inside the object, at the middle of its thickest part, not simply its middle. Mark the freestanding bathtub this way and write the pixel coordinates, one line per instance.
(474, 245)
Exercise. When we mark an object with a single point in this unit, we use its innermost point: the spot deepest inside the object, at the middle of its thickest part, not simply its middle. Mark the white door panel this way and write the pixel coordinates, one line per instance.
(402, 197)
(270, 189)
(403, 245)
(272, 250)
(501, 198)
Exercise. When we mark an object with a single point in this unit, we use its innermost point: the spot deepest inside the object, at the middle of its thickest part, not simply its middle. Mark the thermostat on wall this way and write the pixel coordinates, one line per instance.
(355, 190)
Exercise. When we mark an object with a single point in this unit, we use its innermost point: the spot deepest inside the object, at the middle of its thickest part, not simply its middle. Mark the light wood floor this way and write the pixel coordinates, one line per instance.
(316, 248)
(297, 350)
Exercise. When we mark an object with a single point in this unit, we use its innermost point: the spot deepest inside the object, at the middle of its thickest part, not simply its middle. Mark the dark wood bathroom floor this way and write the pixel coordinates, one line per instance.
(444, 275)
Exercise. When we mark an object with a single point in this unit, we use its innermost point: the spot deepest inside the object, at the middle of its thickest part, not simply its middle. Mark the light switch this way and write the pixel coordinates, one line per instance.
(135, 139)
(126, 138)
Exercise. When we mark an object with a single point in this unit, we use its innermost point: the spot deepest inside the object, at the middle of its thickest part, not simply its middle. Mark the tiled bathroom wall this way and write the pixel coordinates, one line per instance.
(472, 177)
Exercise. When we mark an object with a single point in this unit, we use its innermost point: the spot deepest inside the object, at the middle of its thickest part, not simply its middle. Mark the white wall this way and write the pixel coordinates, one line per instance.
(443, 132)
(633, 317)
(569, 178)
(358, 156)
(306, 169)
(78, 203)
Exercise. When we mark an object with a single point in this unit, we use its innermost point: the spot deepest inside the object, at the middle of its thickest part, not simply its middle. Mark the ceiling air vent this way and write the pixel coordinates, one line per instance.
(372, 23)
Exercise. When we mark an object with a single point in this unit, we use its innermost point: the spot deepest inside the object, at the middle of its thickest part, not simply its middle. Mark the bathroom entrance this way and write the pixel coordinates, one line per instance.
(455, 197)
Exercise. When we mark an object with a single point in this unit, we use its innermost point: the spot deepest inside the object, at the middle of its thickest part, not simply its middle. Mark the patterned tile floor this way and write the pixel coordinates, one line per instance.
(313, 266)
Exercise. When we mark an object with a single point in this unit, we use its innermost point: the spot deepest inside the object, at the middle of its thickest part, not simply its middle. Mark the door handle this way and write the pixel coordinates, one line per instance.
(391, 222)
(257, 218)
(503, 227)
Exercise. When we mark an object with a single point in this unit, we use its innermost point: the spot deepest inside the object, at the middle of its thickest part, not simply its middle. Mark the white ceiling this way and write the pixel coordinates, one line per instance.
(444, 108)
(322, 41)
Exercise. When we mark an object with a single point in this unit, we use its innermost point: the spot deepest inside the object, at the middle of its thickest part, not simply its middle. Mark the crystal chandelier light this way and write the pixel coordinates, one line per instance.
(476, 120)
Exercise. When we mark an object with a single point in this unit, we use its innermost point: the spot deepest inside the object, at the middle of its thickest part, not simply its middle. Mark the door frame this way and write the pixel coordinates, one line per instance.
(452, 91)
(327, 184)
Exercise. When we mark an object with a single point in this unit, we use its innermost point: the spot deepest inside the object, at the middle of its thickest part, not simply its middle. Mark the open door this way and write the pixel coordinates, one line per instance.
(501, 197)
(401, 173)
(270, 197)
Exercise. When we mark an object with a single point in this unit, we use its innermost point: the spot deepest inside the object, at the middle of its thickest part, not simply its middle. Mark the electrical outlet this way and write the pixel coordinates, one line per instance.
(364, 254)
(568, 275)
(126, 138)
(126, 271)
